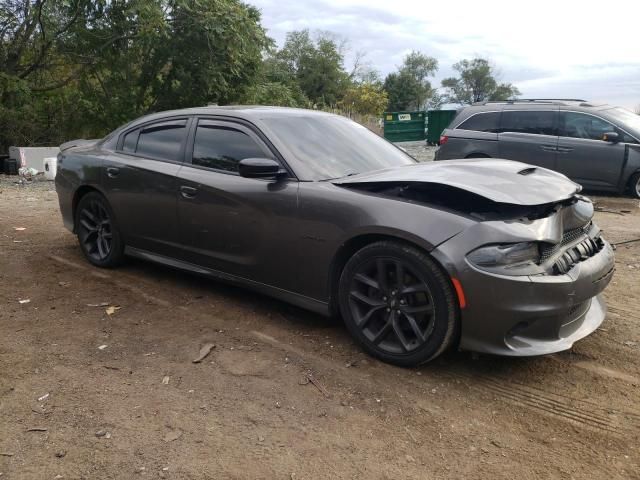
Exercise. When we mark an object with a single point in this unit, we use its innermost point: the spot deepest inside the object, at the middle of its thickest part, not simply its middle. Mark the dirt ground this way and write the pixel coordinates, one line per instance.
(88, 395)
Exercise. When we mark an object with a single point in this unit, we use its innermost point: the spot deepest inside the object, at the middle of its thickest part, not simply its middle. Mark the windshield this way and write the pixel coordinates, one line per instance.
(334, 147)
(626, 119)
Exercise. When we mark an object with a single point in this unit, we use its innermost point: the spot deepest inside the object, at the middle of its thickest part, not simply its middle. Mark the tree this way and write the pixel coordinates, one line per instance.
(477, 82)
(317, 65)
(409, 88)
(365, 99)
(72, 68)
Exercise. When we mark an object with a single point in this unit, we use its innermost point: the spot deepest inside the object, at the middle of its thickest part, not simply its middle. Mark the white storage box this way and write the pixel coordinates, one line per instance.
(50, 167)
(32, 157)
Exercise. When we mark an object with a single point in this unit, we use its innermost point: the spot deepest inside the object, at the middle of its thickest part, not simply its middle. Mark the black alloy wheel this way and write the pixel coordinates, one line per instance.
(398, 303)
(97, 232)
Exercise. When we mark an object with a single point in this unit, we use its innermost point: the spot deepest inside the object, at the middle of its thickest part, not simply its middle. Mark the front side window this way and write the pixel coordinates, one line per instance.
(481, 122)
(579, 125)
(162, 140)
(222, 148)
(532, 121)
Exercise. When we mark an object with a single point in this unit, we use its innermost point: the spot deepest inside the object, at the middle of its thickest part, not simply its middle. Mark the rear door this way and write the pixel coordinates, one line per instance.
(140, 183)
(242, 226)
(529, 136)
(584, 156)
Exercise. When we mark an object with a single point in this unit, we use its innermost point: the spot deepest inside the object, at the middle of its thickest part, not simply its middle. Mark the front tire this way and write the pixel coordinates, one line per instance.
(398, 303)
(98, 234)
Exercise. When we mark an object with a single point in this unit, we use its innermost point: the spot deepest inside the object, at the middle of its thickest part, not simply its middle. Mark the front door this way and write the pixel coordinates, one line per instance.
(140, 183)
(237, 225)
(584, 156)
(529, 136)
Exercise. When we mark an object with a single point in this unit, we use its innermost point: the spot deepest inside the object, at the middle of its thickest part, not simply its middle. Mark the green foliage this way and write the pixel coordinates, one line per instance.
(409, 88)
(366, 99)
(316, 65)
(477, 82)
(96, 64)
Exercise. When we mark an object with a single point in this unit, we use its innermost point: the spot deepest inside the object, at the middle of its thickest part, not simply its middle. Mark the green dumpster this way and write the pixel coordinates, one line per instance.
(404, 126)
(437, 121)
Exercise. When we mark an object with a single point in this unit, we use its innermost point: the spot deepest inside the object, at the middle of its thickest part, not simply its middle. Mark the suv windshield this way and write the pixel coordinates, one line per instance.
(626, 119)
(334, 146)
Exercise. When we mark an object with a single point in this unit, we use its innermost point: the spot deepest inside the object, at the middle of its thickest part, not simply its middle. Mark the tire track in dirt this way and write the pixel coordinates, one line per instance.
(577, 411)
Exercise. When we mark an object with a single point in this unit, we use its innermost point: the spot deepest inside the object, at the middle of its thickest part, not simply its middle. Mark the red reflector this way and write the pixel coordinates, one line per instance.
(443, 139)
(458, 286)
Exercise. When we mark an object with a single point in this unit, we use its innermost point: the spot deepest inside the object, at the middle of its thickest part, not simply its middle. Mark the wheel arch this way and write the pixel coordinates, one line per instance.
(478, 155)
(359, 241)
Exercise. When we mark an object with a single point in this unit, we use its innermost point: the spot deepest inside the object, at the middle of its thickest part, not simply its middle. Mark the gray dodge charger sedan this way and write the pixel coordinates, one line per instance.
(490, 255)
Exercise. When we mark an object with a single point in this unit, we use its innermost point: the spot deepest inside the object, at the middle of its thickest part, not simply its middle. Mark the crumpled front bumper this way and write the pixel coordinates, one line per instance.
(533, 315)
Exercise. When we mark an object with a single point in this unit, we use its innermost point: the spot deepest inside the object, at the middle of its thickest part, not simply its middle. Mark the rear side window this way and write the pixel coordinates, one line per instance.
(481, 122)
(532, 121)
(162, 140)
(221, 148)
(579, 125)
(130, 141)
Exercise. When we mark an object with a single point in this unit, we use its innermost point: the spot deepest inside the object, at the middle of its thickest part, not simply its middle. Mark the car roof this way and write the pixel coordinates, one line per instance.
(247, 112)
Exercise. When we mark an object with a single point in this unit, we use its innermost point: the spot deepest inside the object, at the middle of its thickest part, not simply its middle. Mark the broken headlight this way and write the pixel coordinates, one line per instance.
(506, 256)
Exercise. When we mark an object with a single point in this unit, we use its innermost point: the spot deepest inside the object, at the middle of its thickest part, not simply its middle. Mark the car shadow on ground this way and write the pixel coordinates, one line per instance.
(292, 318)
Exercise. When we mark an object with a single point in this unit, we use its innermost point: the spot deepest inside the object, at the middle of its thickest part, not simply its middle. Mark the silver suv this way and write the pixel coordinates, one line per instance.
(597, 146)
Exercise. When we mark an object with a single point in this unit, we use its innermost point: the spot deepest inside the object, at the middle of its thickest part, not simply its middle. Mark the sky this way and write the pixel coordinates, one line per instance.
(548, 49)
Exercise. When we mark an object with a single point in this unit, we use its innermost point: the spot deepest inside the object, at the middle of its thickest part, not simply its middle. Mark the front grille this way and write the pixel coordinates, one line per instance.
(568, 237)
(577, 253)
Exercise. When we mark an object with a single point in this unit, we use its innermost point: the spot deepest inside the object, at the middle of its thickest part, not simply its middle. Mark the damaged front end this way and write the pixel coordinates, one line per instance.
(532, 265)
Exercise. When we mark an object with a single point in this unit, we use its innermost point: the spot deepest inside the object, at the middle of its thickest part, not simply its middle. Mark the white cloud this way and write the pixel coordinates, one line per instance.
(547, 48)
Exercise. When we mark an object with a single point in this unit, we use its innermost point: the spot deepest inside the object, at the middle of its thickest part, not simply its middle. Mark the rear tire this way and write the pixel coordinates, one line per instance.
(98, 234)
(398, 303)
(634, 185)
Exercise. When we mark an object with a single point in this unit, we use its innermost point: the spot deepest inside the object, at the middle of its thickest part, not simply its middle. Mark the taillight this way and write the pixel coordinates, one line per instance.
(443, 139)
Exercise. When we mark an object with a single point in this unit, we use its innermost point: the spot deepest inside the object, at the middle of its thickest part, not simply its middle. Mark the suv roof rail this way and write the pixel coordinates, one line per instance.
(532, 100)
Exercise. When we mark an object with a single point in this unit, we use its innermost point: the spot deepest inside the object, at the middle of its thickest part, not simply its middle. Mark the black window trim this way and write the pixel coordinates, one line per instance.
(599, 118)
(243, 126)
(141, 126)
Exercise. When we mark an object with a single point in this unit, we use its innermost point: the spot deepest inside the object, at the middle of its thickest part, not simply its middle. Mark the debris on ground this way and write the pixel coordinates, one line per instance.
(165, 380)
(204, 351)
(19, 229)
(37, 429)
(317, 384)
(112, 309)
(26, 300)
(61, 454)
(102, 347)
(43, 397)
(103, 304)
(103, 433)
(6, 454)
(172, 435)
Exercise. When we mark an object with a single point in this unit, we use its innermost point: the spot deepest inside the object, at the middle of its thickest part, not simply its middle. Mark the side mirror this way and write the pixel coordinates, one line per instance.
(259, 168)
(612, 137)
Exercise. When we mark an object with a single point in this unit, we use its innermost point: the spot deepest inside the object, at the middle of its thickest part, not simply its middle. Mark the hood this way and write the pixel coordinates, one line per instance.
(501, 181)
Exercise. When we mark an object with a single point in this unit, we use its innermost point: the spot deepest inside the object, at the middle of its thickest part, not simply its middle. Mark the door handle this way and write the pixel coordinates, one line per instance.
(188, 192)
(113, 172)
(548, 148)
(564, 149)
